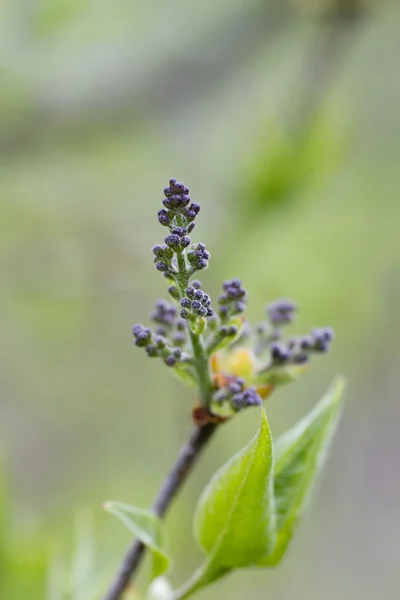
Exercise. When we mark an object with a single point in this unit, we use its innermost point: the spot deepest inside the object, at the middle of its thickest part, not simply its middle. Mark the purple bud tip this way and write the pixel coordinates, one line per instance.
(170, 361)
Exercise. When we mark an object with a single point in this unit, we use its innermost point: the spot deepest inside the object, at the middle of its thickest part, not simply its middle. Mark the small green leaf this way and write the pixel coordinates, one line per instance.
(235, 518)
(185, 374)
(300, 455)
(147, 527)
(279, 375)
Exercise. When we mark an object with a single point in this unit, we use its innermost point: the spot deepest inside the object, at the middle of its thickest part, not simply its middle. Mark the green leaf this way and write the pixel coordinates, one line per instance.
(185, 374)
(147, 527)
(300, 455)
(279, 375)
(235, 518)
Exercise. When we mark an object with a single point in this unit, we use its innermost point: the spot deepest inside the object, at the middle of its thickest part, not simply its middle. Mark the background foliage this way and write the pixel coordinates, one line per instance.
(282, 117)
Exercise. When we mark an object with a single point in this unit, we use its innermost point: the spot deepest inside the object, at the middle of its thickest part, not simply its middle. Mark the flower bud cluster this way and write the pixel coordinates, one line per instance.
(216, 348)
(297, 350)
(198, 257)
(179, 211)
(281, 312)
(179, 214)
(196, 303)
(233, 299)
(163, 258)
(168, 337)
(237, 395)
(156, 345)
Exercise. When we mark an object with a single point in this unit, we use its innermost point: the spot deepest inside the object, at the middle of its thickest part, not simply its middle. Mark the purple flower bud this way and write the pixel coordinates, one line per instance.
(306, 342)
(137, 328)
(329, 334)
(279, 353)
(170, 361)
(240, 307)
(185, 241)
(190, 215)
(160, 341)
(181, 231)
(161, 266)
(158, 251)
(143, 338)
(321, 339)
(151, 350)
(163, 217)
(236, 386)
(179, 188)
(238, 400)
(173, 241)
(167, 203)
(185, 302)
(174, 292)
(228, 330)
(185, 200)
(206, 300)
(202, 264)
(221, 395)
(300, 359)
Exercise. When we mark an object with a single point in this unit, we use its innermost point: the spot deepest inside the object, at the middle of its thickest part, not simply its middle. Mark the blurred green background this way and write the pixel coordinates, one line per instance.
(283, 119)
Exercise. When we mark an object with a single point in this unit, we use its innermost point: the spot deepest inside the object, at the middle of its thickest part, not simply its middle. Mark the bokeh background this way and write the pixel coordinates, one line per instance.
(283, 119)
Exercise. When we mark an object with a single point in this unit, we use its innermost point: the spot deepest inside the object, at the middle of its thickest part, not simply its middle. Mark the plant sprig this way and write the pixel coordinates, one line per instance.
(251, 509)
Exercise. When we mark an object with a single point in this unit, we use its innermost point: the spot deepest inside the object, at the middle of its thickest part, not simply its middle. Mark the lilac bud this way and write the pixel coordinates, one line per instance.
(161, 266)
(279, 353)
(170, 361)
(158, 251)
(174, 292)
(163, 217)
(151, 350)
(173, 241)
(185, 302)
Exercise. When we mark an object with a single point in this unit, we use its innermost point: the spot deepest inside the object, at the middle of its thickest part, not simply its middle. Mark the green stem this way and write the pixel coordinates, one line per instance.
(200, 355)
(201, 367)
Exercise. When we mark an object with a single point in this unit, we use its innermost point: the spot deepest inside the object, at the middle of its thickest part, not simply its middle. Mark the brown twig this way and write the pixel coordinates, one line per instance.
(171, 486)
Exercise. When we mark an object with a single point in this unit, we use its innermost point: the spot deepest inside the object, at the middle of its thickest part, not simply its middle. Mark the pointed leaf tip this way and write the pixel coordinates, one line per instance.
(147, 527)
(300, 455)
(235, 517)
